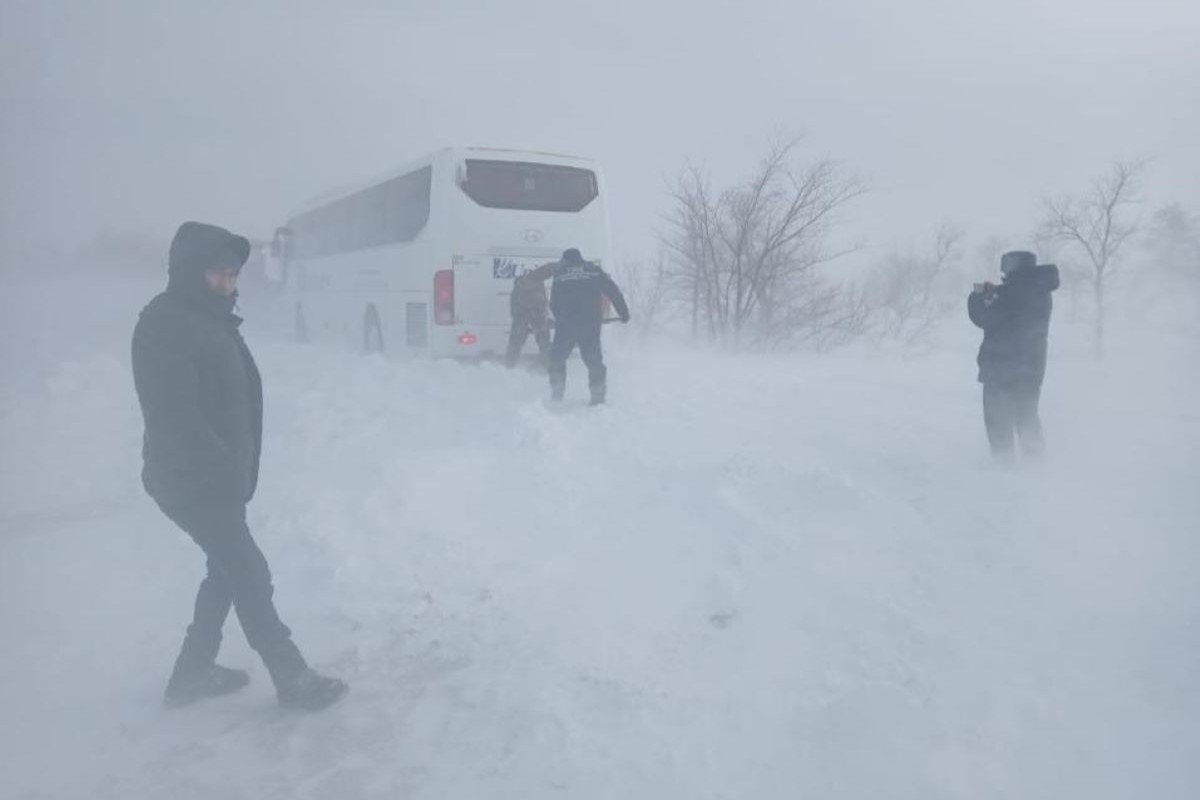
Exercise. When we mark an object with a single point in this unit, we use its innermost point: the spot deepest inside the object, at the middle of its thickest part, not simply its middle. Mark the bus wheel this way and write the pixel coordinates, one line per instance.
(301, 330)
(372, 331)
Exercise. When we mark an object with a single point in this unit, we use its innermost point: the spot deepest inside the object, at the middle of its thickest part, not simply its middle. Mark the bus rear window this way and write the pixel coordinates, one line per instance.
(529, 187)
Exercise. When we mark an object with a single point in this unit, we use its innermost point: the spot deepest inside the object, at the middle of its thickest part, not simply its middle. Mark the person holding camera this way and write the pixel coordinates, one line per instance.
(1015, 318)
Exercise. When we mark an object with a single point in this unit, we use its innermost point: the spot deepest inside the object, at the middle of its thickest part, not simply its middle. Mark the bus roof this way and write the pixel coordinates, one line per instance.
(352, 188)
(526, 153)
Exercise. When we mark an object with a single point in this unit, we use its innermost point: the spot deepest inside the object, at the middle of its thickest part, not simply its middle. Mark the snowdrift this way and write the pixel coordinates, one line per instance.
(746, 577)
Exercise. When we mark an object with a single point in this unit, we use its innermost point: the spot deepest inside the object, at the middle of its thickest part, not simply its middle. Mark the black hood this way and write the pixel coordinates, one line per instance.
(197, 247)
(1043, 277)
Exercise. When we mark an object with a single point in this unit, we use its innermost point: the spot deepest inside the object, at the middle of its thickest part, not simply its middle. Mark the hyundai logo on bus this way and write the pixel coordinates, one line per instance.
(531, 235)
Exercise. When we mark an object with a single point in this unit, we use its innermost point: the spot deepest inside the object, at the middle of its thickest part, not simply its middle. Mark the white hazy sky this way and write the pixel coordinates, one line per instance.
(137, 115)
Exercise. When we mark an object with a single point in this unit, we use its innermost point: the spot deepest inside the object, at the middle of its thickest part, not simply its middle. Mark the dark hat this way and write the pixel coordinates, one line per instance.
(1015, 260)
(197, 247)
(572, 256)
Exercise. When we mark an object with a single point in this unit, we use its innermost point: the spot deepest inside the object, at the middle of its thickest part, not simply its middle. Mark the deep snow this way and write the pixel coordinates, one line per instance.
(764, 577)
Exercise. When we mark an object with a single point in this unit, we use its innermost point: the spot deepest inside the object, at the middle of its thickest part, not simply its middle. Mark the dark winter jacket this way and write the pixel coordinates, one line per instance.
(1015, 318)
(577, 292)
(199, 389)
(528, 300)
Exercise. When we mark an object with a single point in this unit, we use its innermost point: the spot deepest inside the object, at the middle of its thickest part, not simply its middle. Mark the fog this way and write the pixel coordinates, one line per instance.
(137, 115)
(779, 562)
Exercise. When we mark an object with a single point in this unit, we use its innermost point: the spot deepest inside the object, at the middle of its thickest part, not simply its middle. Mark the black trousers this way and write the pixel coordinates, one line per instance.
(587, 339)
(521, 328)
(1010, 412)
(238, 577)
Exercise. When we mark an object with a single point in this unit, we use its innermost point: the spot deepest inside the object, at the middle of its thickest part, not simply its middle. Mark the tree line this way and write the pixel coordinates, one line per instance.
(751, 265)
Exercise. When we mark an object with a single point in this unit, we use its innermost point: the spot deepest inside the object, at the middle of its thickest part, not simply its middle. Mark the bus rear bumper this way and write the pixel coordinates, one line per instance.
(469, 342)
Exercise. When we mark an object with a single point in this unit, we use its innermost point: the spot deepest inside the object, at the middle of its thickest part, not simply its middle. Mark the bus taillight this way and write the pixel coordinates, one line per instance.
(443, 297)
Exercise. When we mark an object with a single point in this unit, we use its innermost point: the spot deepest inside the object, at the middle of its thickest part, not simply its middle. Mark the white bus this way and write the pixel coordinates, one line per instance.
(422, 260)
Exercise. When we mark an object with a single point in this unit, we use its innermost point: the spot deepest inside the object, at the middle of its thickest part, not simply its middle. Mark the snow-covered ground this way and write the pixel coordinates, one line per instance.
(766, 577)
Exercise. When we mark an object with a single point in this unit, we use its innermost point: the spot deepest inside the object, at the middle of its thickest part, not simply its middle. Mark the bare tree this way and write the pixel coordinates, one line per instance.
(1170, 253)
(646, 288)
(745, 260)
(1096, 223)
(826, 316)
(1073, 267)
(1172, 244)
(909, 291)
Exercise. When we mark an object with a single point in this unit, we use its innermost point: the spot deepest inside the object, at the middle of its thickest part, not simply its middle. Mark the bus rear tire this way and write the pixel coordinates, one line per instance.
(372, 331)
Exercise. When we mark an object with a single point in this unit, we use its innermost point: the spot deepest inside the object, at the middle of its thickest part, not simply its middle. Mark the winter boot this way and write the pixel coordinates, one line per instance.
(186, 688)
(310, 691)
(599, 393)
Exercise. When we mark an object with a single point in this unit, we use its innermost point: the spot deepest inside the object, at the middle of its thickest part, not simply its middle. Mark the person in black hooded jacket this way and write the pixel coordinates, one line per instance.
(201, 399)
(1015, 318)
(576, 298)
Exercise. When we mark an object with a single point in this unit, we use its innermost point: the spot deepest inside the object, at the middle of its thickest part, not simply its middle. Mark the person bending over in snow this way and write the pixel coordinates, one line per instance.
(529, 313)
(201, 399)
(1015, 318)
(576, 300)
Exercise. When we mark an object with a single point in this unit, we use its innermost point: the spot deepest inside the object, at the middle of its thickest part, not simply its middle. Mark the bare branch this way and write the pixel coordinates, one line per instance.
(1096, 224)
(745, 258)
